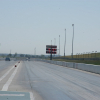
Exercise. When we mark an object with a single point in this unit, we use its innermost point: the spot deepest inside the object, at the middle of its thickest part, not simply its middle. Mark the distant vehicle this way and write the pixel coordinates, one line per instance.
(7, 59)
(27, 59)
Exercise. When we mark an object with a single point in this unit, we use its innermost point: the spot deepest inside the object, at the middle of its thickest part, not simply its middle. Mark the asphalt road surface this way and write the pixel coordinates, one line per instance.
(49, 82)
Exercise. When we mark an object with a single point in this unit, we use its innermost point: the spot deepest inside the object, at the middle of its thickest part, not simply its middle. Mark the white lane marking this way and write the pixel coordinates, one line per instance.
(5, 87)
(6, 73)
(31, 96)
(12, 95)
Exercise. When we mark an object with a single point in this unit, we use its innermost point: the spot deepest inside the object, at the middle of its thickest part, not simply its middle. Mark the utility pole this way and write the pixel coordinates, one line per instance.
(59, 45)
(65, 43)
(54, 43)
(72, 40)
(10, 53)
(34, 51)
(51, 42)
(51, 51)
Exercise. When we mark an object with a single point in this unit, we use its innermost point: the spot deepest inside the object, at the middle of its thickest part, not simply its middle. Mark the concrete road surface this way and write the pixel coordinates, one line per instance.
(49, 82)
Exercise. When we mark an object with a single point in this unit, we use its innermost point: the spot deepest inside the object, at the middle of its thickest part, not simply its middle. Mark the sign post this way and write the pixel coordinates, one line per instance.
(51, 53)
(51, 49)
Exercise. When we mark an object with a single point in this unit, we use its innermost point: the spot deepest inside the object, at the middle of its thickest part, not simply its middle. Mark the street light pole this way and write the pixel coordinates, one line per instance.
(51, 42)
(65, 43)
(95, 53)
(59, 45)
(10, 53)
(92, 53)
(72, 40)
(51, 51)
(54, 41)
(34, 51)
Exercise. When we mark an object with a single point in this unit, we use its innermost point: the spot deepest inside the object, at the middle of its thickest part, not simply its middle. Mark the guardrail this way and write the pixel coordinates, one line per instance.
(80, 66)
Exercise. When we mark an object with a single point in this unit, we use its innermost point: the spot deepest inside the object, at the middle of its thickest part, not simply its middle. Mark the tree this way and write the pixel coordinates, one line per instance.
(21, 55)
(15, 55)
(3, 55)
(26, 55)
(42, 56)
(9, 55)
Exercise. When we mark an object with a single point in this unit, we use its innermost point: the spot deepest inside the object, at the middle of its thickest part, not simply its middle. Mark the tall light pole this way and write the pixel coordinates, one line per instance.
(34, 51)
(51, 42)
(54, 41)
(72, 40)
(84, 55)
(59, 45)
(95, 53)
(10, 53)
(76, 55)
(65, 43)
(92, 53)
(51, 51)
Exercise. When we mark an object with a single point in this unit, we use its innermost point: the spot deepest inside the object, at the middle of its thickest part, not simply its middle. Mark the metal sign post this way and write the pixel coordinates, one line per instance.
(51, 49)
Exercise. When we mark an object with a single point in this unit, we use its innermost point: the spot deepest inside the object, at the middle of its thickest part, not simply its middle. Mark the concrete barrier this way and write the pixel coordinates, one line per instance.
(88, 67)
(80, 66)
(59, 63)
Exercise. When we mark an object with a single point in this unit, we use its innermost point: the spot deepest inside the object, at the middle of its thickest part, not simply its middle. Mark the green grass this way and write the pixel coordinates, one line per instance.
(91, 55)
(95, 62)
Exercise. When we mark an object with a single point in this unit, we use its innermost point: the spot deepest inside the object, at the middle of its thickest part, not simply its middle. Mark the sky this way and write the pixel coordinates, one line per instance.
(29, 24)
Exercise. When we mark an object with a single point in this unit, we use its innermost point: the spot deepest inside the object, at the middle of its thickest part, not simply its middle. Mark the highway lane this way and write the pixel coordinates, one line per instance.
(52, 82)
(5, 66)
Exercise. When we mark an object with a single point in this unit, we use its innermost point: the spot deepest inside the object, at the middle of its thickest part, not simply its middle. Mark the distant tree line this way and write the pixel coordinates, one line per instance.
(22, 55)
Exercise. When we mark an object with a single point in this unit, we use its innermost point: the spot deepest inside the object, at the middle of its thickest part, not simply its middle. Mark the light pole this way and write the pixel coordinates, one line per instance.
(76, 55)
(72, 40)
(51, 51)
(84, 55)
(54, 41)
(10, 53)
(34, 51)
(79, 55)
(92, 53)
(51, 42)
(88, 54)
(65, 43)
(59, 45)
(95, 53)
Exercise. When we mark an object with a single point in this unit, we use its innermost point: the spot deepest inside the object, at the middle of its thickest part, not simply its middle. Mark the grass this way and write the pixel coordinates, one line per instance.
(95, 62)
(89, 55)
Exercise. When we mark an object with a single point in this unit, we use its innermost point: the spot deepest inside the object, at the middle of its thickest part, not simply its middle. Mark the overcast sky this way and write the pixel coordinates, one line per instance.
(29, 24)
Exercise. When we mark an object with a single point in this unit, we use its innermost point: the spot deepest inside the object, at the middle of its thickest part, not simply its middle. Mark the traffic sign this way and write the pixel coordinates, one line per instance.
(51, 46)
(51, 49)
(50, 52)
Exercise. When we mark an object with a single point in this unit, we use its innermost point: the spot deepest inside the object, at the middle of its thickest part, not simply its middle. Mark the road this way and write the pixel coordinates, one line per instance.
(49, 82)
